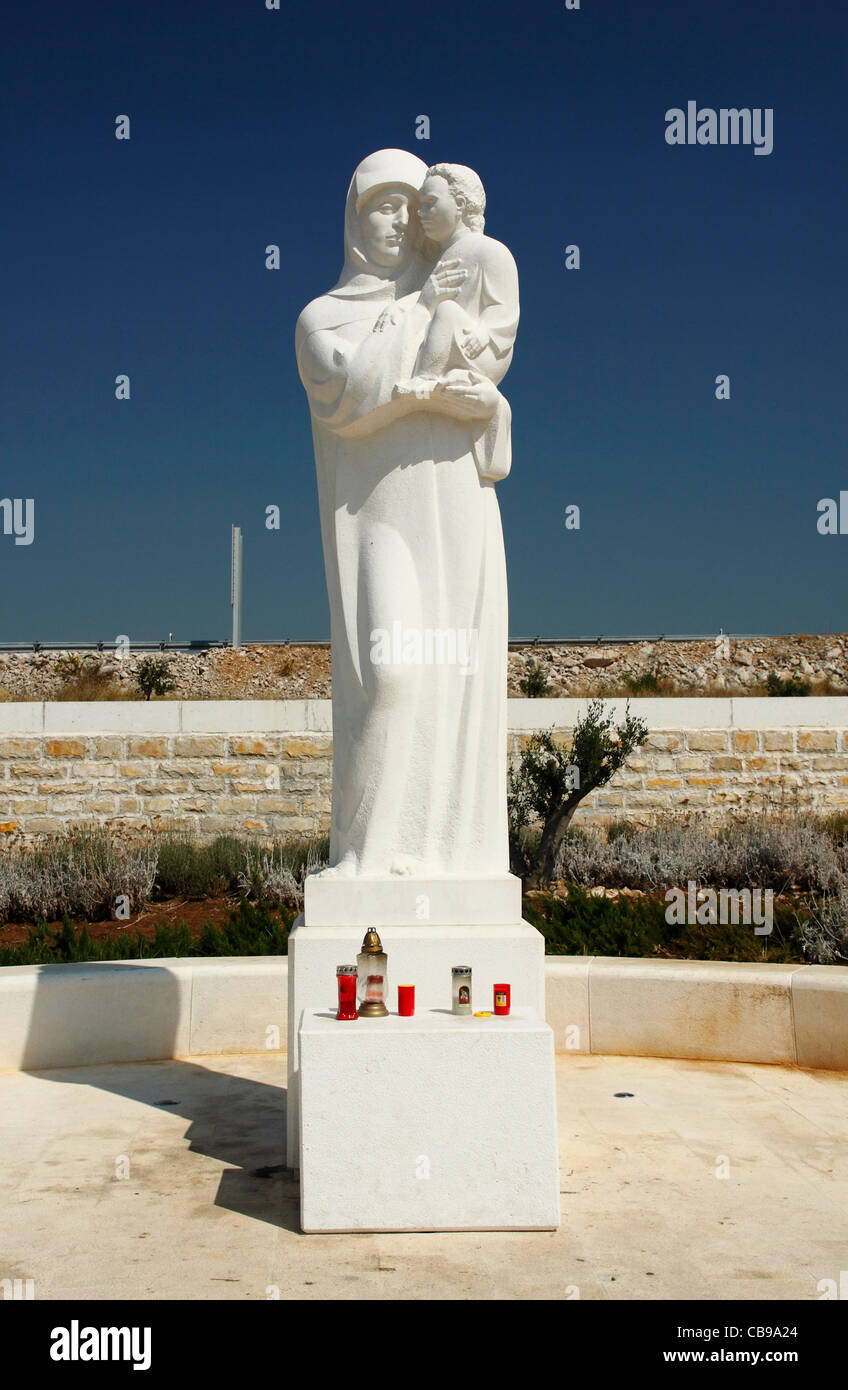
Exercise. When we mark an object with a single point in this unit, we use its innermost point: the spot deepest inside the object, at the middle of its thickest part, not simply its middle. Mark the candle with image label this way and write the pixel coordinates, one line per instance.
(461, 995)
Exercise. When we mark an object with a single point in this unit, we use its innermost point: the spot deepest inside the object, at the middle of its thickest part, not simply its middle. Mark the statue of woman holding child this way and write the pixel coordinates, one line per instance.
(401, 363)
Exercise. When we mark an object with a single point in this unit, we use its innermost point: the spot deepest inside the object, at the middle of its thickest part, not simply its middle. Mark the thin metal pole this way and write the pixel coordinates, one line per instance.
(235, 583)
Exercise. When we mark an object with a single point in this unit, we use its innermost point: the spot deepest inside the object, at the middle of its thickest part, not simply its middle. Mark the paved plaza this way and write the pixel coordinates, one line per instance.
(163, 1180)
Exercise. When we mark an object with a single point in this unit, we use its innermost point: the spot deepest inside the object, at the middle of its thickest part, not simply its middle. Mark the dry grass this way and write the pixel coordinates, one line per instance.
(94, 685)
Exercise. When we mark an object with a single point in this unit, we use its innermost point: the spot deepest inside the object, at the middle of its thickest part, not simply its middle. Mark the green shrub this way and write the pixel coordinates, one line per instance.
(791, 685)
(582, 925)
(153, 677)
(646, 683)
(535, 685)
(585, 925)
(252, 930)
(187, 868)
(618, 828)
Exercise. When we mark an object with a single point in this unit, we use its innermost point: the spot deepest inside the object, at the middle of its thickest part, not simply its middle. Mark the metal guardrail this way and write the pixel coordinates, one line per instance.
(607, 639)
(199, 645)
(196, 645)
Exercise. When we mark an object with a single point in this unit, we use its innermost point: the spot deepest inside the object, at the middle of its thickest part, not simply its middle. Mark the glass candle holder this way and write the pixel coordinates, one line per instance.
(502, 999)
(346, 981)
(461, 989)
(373, 984)
(406, 1000)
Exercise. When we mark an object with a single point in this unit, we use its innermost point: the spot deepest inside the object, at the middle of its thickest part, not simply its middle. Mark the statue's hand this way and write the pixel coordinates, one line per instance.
(388, 319)
(393, 313)
(473, 342)
(468, 396)
(445, 282)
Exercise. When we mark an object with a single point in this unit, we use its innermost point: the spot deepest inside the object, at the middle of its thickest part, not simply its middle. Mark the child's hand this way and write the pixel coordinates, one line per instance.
(393, 313)
(472, 343)
(387, 319)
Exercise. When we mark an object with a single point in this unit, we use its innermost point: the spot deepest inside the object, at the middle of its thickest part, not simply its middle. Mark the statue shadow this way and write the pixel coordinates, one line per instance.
(234, 1119)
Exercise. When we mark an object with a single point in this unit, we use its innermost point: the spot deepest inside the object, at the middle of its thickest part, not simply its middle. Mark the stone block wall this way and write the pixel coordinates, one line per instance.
(721, 772)
(271, 784)
(265, 767)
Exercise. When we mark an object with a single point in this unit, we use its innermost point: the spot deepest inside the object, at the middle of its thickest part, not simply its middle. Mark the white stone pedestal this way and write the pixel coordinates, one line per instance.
(420, 955)
(430, 1123)
(475, 900)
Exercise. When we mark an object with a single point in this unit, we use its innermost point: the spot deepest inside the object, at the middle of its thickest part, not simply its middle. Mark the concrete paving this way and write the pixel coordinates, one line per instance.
(161, 1180)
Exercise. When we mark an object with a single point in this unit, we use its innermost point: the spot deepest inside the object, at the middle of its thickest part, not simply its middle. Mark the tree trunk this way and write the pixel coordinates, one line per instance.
(552, 837)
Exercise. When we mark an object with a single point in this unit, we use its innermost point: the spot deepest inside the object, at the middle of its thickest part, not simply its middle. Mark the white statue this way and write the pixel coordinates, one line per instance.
(401, 361)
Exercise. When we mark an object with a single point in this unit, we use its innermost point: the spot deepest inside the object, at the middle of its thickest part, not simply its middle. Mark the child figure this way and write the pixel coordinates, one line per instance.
(474, 329)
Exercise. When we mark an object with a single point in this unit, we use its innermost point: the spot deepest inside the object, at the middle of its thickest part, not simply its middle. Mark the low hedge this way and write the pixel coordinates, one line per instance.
(581, 924)
(253, 929)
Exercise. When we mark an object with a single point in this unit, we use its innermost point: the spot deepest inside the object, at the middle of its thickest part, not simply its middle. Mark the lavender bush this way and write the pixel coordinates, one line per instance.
(83, 875)
(762, 852)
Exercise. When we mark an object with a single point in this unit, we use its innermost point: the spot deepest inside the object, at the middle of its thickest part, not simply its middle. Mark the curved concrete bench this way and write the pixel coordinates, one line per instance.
(77, 1015)
(721, 1011)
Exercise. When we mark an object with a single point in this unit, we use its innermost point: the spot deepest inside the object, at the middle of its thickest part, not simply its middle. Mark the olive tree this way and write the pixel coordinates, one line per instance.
(549, 783)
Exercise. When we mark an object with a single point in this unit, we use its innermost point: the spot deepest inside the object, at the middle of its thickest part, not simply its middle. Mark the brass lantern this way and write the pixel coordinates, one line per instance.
(372, 981)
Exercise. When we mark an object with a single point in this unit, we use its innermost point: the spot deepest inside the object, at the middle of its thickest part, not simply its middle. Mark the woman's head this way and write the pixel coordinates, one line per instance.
(384, 220)
(381, 231)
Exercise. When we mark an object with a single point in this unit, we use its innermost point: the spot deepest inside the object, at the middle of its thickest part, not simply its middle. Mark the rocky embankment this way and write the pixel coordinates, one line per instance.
(725, 666)
(733, 666)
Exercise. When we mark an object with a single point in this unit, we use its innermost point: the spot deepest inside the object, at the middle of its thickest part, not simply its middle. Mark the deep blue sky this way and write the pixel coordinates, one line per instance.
(147, 257)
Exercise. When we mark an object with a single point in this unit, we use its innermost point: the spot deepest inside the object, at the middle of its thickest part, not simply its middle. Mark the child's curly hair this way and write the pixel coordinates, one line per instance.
(463, 180)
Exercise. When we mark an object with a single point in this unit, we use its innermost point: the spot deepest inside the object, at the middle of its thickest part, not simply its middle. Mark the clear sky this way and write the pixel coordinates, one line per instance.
(146, 257)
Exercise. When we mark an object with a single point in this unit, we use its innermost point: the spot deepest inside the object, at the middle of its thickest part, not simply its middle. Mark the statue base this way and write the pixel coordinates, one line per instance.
(421, 955)
(431, 1123)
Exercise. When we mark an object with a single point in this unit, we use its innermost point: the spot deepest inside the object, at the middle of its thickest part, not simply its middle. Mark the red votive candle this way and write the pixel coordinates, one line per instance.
(406, 1000)
(346, 979)
(502, 993)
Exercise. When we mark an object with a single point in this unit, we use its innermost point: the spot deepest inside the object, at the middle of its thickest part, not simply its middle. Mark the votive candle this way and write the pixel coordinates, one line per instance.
(502, 999)
(346, 979)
